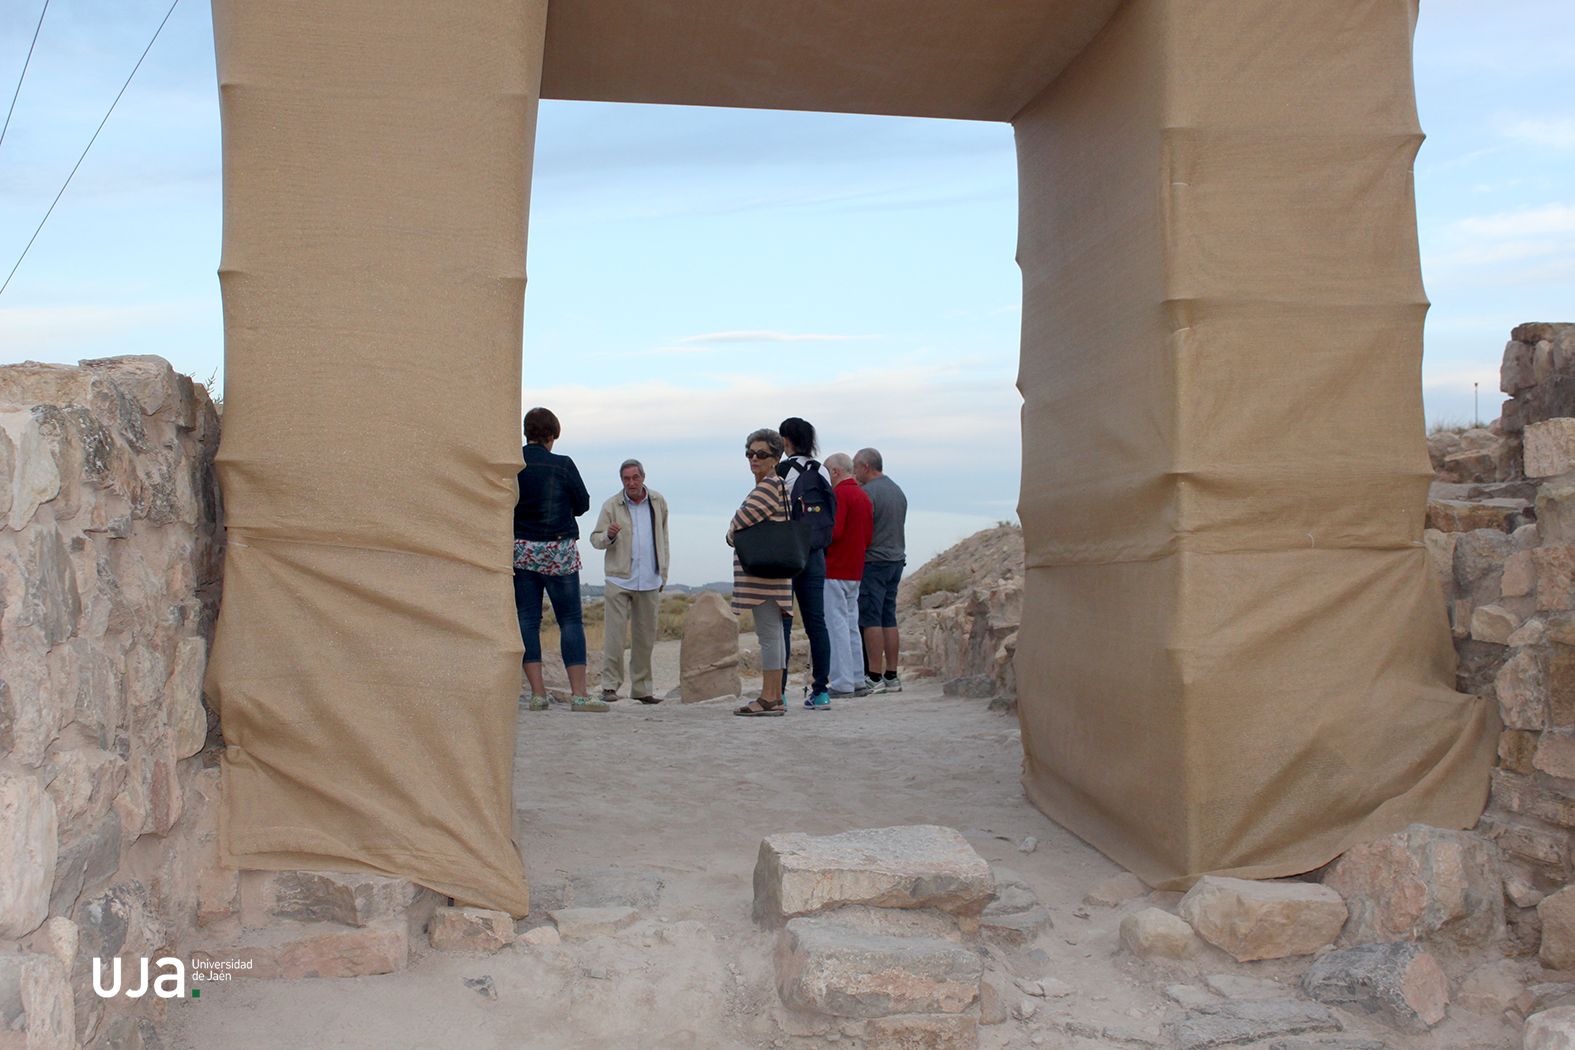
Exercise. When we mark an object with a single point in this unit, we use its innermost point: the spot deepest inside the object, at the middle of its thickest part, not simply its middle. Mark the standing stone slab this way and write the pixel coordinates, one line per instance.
(708, 654)
(1401, 984)
(1420, 883)
(1557, 912)
(1226, 1024)
(1263, 920)
(827, 968)
(917, 866)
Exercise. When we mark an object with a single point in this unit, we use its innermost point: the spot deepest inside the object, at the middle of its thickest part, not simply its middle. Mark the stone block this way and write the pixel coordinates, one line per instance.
(540, 937)
(1555, 571)
(1263, 919)
(1015, 915)
(1420, 883)
(28, 852)
(1557, 912)
(1249, 1021)
(1533, 632)
(1556, 754)
(1519, 578)
(917, 866)
(1556, 511)
(1441, 556)
(1400, 984)
(1493, 624)
(581, 924)
(350, 899)
(1516, 748)
(708, 661)
(1549, 448)
(470, 930)
(922, 1032)
(37, 1003)
(827, 968)
(1521, 688)
(1479, 564)
(1156, 934)
(1550, 1030)
(1456, 515)
(1537, 845)
(995, 999)
(1471, 465)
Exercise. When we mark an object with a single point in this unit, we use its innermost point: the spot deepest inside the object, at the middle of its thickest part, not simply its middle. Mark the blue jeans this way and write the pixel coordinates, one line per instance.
(809, 587)
(564, 593)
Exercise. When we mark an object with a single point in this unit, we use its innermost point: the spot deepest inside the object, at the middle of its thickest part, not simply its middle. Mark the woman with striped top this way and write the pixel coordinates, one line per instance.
(770, 600)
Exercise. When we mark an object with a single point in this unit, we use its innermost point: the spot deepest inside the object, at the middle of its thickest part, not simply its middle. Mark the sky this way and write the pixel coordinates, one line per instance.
(695, 273)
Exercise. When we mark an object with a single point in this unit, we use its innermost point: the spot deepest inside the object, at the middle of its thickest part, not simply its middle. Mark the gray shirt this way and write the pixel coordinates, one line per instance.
(889, 542)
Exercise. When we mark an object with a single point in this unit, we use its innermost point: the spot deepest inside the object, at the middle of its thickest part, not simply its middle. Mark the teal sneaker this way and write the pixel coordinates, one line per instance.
(818, 702)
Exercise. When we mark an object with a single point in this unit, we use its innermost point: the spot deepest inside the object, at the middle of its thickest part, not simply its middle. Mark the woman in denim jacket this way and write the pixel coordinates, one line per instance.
(547, 557)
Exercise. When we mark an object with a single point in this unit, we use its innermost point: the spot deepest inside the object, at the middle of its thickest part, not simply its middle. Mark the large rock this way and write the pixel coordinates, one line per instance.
(325, 896)
(708, 654)
(1420, 883)
(1557, 912)
(292, 950)
(470, 930)
(1401, 984)
(827, 968)
(1263, 920)
(1156, 934)
(1457, 515)
(916, 866)
(1550, 1030)
(1549, 448)
(28, 847)
(1249, 1021)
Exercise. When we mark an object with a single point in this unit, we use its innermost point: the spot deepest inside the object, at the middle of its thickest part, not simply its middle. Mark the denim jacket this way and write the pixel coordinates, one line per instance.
(551, 497)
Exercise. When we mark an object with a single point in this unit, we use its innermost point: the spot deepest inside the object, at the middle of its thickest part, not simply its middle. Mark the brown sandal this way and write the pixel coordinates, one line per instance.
(761, 708)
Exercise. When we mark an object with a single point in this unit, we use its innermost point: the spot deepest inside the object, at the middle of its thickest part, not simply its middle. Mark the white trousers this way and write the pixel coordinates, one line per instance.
(842, 623)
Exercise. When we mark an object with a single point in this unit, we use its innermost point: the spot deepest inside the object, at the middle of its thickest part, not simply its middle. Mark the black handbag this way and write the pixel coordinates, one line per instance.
(774, 550)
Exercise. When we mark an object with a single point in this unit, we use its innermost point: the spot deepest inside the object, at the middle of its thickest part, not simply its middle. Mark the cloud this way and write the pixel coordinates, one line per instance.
(1526, 222)
(42, 331)
(766, 336)
(1556, 132)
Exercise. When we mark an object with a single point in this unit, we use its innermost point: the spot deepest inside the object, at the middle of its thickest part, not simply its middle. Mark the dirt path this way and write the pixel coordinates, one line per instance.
(688, 792)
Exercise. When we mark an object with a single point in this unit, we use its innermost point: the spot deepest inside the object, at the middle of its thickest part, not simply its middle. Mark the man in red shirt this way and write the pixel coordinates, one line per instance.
(855, 523)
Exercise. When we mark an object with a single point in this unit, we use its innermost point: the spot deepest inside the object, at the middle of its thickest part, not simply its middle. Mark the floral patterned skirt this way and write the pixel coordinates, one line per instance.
(548, 557)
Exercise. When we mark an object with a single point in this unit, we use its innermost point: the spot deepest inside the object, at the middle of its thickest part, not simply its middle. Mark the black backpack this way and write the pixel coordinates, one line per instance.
(812, 500)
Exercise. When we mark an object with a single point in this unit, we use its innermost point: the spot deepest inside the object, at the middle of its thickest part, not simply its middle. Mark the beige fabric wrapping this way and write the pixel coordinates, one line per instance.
(376, 173)
(1234, 657)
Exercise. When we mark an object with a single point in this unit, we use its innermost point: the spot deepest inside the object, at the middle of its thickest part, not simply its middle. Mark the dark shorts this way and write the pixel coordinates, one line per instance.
(878, 593)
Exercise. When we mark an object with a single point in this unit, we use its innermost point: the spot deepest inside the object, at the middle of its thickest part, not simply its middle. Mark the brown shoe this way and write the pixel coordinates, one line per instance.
(649, 699)
(610, 696)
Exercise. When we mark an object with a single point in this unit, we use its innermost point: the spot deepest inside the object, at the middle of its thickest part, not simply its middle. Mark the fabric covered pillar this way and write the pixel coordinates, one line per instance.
(1234, 657)
(376, 179)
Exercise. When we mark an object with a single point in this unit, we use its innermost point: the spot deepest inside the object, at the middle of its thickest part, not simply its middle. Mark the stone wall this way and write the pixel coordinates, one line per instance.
(959, 612)
(110, 563)
(1502, 538)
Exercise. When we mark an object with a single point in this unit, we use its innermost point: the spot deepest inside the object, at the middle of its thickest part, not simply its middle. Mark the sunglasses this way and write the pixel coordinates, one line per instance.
(752, 454)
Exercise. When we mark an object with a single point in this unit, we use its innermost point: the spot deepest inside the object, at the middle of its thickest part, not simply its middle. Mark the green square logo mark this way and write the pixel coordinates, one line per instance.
(196, 993)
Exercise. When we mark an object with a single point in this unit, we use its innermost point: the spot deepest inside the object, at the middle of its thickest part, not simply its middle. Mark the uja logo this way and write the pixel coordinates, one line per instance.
(169, 985)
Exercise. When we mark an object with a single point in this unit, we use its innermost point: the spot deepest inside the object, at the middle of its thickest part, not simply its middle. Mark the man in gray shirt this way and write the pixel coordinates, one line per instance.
(883, 562)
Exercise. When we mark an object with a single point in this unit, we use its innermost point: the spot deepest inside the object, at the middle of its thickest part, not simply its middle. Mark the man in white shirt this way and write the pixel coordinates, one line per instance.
(632, 529)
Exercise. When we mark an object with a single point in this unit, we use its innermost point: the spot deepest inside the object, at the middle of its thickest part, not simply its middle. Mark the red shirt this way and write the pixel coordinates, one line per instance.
(851, 534)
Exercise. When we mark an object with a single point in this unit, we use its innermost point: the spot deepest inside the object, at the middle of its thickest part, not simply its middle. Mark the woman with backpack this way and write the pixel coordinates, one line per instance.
(810, 496)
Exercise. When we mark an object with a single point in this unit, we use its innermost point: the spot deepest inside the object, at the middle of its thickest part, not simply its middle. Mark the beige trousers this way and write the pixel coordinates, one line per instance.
(626, 609)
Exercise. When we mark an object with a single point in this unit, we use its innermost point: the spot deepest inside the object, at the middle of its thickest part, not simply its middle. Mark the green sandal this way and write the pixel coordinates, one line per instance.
(585, 703)
(537, 703)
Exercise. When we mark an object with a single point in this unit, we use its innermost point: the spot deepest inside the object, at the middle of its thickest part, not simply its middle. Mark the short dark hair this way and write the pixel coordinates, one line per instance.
(541, 426)
(800, 434)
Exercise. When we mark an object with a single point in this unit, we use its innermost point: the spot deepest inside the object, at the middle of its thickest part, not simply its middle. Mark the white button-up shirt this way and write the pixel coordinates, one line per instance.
(643, 575)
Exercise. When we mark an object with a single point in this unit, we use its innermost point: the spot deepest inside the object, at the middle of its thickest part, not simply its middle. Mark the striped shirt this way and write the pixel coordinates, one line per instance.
(767, 501)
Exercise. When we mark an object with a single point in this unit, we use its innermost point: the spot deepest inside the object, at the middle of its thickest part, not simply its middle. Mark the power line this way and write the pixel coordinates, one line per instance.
(23, 74)
(89, 146)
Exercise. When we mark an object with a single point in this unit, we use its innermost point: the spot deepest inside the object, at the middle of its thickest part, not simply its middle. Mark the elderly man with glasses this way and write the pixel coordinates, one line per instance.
(632, 530)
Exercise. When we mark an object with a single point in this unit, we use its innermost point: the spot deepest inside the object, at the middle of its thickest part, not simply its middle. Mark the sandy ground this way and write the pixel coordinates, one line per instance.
(687, 791)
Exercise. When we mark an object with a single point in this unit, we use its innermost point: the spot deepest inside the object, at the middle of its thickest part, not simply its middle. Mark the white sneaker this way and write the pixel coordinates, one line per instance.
(891, 685)
(877, 687)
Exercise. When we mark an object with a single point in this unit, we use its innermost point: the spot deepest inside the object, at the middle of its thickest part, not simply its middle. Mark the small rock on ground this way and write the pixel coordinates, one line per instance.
(1156, 934)
(1400, 983)
(1110, 892)
(1250, 1021)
